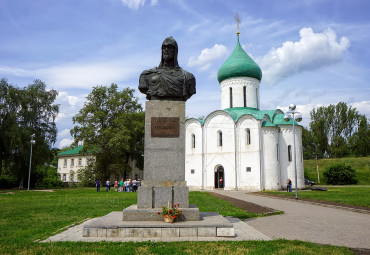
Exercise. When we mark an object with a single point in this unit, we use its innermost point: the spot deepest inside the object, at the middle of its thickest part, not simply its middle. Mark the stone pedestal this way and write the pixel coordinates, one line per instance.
(164, 161)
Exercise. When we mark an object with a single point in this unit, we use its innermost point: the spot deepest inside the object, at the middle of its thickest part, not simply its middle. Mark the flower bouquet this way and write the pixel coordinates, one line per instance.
(170, 213)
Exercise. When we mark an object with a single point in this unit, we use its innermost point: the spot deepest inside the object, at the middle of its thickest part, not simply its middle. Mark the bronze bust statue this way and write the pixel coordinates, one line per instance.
(168, 81)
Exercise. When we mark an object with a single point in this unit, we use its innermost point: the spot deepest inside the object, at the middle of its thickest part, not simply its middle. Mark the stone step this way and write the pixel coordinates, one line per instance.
(211, 224)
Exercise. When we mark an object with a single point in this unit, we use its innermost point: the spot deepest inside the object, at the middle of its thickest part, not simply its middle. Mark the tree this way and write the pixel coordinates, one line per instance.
(309, 147)
(111, 124)
(24, 112)
(359, 142)
(332, 128)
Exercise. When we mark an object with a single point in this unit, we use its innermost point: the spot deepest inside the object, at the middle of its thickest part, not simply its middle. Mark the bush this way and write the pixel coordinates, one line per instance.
(50, 183)
(7, 182)
(340, 174)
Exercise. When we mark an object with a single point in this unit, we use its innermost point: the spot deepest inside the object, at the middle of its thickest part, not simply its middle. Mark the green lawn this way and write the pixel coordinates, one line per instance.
(359, 196)
(361, 165)
(29, 216)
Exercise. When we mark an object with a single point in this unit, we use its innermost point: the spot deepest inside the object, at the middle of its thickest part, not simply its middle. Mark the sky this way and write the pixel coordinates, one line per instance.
(312, 52)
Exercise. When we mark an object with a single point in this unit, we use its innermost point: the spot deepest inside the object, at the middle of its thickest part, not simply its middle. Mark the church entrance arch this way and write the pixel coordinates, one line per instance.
(219, 177)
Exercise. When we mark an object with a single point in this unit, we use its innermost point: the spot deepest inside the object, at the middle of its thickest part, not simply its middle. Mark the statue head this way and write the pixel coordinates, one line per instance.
(169, 53)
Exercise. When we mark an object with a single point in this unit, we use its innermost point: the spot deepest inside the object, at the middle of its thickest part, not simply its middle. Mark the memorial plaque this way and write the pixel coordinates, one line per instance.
(165, 127)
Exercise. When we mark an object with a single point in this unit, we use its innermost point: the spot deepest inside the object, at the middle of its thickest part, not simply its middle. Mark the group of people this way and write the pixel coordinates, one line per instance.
(120, 186)
(127, 186)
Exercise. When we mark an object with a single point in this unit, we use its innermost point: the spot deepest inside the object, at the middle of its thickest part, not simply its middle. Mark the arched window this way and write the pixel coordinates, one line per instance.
(248, 136)
(231, 97)
(192, 141)
(289, 153)
(245, 95)
(219, 138)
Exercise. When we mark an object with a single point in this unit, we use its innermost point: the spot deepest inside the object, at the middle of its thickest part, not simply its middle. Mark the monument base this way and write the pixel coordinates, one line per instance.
(133, 213)
(210, 224)
(158, 194)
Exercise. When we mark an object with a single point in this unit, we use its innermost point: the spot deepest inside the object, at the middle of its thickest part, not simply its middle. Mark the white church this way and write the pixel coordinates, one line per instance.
(249, 148)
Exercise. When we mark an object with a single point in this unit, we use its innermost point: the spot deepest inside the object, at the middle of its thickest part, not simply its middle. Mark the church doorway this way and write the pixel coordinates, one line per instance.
(219, 177)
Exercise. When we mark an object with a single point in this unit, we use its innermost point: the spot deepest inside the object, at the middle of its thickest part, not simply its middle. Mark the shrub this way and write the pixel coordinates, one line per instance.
(7, 182)
(340, 174)
(49, 182)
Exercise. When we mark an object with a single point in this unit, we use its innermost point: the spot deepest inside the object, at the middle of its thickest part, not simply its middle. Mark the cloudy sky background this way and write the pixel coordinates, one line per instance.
(311, 52)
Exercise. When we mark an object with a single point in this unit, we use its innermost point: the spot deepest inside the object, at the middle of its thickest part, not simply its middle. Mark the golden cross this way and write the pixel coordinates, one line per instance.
(237, 23)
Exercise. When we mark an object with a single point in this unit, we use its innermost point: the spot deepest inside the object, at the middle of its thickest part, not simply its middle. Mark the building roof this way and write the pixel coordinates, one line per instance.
(74, 151)
(239, 64)
(276, 117)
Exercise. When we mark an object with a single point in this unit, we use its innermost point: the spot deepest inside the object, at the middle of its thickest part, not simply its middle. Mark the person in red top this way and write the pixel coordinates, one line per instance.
(221, 183)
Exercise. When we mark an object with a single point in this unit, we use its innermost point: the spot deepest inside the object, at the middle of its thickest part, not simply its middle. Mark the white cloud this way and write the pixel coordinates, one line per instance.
(65, 142)
(133, 4)
(207, 56)
(85, 75)
(362, 107)
(78, 75)
(64, 133)
(64, 99)
(313, 51)
(153, 2)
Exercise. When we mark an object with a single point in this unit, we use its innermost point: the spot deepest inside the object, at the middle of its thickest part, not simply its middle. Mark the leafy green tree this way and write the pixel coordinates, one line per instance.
(309, 147)
(332, 128)
(359, 142)
(111, 124)
(24, 112)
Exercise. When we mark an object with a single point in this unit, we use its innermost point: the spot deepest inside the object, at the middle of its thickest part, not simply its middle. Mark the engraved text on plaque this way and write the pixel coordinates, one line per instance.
(165, 127)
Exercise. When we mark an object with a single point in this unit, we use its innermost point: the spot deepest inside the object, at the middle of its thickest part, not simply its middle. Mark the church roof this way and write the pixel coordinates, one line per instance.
(276, 117)
(239, 64)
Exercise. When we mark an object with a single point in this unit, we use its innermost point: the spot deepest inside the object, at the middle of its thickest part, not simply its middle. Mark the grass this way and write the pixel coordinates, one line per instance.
(29, 216)
(361, 165)
(207, 203)
(358, 196)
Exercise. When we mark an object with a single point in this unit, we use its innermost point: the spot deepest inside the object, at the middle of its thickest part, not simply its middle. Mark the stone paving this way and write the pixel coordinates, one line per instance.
(308, 222)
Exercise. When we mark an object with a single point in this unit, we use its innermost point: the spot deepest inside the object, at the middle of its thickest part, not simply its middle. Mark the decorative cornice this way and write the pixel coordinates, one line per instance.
(240, 82)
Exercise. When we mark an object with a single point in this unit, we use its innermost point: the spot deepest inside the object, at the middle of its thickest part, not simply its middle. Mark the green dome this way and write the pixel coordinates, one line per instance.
(239, 64)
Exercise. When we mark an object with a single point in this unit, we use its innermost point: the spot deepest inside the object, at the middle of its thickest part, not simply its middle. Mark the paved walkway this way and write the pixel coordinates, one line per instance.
(308, 222)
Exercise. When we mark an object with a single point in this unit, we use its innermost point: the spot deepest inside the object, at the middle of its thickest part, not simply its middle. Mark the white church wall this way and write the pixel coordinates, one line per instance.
(237, 84)
(216, 155)
(271, 166)
(286, 162)
(248, 154)
(193, 156)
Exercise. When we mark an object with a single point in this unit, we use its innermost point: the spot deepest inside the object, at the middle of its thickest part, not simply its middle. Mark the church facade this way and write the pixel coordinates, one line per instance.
(242, 147)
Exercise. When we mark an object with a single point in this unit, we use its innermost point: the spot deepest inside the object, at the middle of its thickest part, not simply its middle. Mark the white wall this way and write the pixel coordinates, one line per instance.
(271, 166)
(237, 84)
(219, 155)
(193, 156)
(287, 168)
(248, 154)
(71, 169)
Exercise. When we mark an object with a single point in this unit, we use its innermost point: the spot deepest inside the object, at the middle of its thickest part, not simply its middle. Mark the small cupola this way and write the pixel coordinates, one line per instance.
(239, 64)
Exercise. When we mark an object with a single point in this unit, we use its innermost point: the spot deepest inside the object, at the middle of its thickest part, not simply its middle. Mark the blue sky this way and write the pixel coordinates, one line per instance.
(311, 52)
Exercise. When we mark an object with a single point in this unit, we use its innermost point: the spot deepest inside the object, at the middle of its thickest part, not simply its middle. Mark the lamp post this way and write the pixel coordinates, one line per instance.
(297, 118)
(29, 170)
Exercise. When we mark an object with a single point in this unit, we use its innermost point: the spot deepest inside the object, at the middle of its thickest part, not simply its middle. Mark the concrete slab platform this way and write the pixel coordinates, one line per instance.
(242, 231)
(210, 224)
